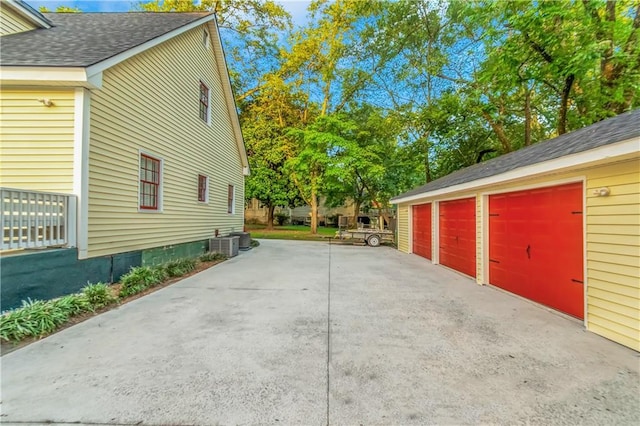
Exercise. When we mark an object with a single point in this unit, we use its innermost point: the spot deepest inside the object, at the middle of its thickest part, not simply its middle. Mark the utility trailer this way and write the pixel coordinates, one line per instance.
(370, 236)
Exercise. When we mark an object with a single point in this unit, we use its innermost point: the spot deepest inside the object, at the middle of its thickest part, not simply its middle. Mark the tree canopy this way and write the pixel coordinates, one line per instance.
(365, 100)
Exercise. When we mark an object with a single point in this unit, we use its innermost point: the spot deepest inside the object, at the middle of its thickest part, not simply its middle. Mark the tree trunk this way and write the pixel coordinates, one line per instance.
(356, 212)
(499, 131)
(314, 211)
(564, 104)
(270, 211)
(527, 117)
(427, 165)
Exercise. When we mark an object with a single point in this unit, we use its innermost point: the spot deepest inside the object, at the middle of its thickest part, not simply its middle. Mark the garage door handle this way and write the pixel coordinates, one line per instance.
(494, 261)
(529, 251)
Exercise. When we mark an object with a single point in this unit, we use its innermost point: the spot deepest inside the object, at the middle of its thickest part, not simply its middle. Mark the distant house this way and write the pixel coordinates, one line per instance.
(557, 223)
(120, 143)
(255, 212)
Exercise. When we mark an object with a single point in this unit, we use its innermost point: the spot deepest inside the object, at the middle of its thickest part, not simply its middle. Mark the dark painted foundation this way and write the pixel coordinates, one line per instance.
(47, 274)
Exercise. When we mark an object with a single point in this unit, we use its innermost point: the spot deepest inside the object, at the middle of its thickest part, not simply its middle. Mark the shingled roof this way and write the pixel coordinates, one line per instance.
(617, 129)
(84, 39)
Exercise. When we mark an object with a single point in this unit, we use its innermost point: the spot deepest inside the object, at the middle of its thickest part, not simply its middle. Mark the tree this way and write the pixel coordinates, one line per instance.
(266, 118)
(318, 148)
(60, 9)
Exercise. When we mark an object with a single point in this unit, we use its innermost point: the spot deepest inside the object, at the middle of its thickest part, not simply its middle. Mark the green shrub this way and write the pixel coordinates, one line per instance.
(131, 290)
(33, 318)
(98, 295)
(177, 268)
(281, 218)
(141, 278)
(74, 304)
(255, 243)
(211, 256)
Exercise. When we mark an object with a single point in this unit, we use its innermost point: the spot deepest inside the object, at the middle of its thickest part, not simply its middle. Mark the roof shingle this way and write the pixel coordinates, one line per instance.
(84, 39)
(617, 129)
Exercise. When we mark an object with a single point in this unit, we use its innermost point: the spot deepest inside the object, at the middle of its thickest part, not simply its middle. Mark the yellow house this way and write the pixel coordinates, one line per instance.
(119, 135)
(557, 223)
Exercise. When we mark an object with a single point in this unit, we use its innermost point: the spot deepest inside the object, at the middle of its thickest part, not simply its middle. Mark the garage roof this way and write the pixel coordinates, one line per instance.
(617, 129)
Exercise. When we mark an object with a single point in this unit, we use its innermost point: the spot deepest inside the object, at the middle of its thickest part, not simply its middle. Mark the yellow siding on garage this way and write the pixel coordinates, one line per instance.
(11, 22)
(612, 241)
(150, 103)
(36, 142)
(479, 239)
(403, 228)
(613, 253)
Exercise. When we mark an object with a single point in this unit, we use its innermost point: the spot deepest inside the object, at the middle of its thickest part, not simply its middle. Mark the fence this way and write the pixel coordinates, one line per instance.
(32, 219)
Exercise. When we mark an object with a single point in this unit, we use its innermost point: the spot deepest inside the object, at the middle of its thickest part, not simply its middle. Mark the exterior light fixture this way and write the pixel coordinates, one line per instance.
(46, 102)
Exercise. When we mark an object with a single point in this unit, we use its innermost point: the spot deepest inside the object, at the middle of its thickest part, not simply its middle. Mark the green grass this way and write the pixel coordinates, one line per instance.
(291, 232)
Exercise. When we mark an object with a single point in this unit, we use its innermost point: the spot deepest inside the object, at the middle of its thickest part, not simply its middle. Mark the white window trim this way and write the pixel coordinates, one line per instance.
(208, 86)
(233, 200)
(206, 192)
(160, 208)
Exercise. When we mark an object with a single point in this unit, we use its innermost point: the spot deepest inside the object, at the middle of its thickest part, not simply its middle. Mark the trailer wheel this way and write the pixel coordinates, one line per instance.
(373, 240)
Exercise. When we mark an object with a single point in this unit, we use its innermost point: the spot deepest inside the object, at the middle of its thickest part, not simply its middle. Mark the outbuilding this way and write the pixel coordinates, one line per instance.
(557, 222)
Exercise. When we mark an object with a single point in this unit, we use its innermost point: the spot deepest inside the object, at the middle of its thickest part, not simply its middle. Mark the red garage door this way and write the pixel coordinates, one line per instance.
(458, 235)
(422, 230)
(535, 245)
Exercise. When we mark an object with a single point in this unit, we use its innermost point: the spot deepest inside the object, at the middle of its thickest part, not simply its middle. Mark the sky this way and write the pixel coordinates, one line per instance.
(297, 8)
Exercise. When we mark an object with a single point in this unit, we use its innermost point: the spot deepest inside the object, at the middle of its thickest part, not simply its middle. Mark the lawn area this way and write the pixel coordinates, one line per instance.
(290, 232)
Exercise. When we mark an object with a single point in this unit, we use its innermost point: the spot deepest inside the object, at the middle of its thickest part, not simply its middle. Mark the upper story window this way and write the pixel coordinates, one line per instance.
(150, 182)
(203, 188)
(205, 37)
(230, 199)
(204, 102)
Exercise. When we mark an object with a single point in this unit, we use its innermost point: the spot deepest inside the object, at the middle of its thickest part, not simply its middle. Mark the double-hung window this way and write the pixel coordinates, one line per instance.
(150, 180)
(204, 102)
(203, 188)
(230, 199)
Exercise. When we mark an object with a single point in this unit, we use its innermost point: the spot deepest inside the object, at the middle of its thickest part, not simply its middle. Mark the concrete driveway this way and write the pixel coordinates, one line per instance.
(296, 333)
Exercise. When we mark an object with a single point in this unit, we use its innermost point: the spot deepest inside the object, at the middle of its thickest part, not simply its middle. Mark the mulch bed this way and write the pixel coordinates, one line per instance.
(8, 347)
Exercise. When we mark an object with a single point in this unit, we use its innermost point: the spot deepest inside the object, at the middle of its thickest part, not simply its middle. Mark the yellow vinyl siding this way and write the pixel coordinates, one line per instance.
(36, 142)
(150, 103)
(612, 242)
(403, 228)
(11, 22)
(613, 253)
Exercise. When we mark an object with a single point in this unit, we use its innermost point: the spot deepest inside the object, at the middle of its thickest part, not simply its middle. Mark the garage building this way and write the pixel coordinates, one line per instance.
(557, 222)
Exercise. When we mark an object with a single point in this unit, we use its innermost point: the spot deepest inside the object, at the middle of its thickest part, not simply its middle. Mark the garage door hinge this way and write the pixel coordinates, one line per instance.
(576, 212)
(494, 261)
(577, 281)
(494, 214)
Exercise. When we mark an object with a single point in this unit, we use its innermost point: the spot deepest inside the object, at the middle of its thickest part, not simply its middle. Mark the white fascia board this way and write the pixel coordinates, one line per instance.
(27, 14)
(228, 95)
(584, 158)
(59, 76)
(114, 60)
(82, 121)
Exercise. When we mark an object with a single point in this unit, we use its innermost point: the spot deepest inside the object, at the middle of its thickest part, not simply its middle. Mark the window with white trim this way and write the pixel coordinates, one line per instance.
(203, 188)
(204, 102)
(230, 199)
(150, 183)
